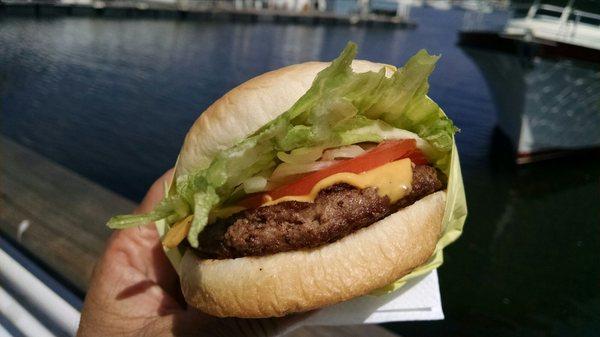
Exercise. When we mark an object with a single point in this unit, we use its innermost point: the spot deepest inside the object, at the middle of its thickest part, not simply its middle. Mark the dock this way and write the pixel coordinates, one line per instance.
(57, 218)
(56, 215)
(199, 12)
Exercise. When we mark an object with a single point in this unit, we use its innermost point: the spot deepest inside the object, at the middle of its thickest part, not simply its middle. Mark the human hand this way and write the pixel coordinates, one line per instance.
(135, 291)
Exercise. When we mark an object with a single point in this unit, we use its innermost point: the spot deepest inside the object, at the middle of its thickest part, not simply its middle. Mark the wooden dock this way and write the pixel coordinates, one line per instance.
(66, 214)
(200, 13)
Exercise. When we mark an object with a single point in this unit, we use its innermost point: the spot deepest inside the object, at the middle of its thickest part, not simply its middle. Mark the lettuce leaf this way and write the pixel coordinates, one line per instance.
(204, 201)
(455, 214)
(340, 108)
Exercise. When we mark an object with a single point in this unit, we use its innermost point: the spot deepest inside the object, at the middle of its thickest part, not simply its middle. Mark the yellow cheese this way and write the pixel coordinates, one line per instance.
(393, 180)
(178, 232)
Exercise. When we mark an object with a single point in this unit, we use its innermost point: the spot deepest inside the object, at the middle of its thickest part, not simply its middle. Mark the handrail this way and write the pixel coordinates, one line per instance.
(22, 319)
(571, 13)
(552, 8)
(583, 14)
(38, 294)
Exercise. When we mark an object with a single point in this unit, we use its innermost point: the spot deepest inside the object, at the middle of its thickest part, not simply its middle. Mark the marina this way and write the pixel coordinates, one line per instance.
(210, 10)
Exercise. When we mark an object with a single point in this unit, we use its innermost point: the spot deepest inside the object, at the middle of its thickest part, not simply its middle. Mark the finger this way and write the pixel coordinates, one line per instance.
(147, 238)
(143, 243)
(155, 193)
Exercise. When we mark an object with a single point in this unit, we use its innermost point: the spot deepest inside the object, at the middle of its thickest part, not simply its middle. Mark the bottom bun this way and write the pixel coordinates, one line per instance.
(302, 280)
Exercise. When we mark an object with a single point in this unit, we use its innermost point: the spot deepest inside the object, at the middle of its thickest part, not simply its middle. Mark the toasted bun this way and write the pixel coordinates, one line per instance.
(296, 281)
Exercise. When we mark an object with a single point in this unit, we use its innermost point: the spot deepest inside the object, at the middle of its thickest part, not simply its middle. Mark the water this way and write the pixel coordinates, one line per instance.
(112, 99)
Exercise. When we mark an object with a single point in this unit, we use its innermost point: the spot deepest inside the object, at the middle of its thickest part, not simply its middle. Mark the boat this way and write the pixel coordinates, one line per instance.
(543, 70)
(442, 5)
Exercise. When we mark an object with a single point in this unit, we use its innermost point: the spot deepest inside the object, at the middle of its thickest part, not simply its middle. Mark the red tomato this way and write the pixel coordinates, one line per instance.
(384, 153)
(417, 157)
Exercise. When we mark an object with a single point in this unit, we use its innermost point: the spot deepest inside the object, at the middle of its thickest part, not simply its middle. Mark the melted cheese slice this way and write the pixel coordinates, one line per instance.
(393, 180)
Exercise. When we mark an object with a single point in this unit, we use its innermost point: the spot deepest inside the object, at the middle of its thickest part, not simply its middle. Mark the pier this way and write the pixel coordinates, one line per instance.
(55, 214)
(201, 11)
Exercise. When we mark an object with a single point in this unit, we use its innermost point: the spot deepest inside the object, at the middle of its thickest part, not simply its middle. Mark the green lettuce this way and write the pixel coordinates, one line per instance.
(340, 108)
(204, 201)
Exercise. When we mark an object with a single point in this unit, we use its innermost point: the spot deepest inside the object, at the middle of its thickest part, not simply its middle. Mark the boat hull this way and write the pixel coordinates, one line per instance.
(548, 106)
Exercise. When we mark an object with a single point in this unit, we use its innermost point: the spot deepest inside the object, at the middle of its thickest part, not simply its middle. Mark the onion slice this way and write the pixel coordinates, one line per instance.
(255, 184)
(349, 151)
(303, 155)
(286, 169)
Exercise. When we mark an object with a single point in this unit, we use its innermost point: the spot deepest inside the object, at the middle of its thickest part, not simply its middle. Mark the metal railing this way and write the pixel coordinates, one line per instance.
(567, 18)
(567, 13)
(30, 306)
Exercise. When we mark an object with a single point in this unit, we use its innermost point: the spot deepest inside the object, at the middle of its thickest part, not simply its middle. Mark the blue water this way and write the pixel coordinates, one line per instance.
(112, 99)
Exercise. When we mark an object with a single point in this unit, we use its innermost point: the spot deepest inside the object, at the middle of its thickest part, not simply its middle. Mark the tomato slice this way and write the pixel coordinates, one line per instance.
(418, 157)
(384, 153)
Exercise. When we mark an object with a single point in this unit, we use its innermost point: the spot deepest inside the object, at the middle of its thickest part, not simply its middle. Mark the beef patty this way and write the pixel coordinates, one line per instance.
(336, 212)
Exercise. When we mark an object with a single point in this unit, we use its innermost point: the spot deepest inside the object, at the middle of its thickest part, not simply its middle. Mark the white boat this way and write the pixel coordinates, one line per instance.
(543, 70)
(477, 6)
(442, 5)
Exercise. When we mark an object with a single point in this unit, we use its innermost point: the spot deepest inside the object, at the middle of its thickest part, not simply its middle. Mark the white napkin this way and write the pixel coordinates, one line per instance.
(418, 300)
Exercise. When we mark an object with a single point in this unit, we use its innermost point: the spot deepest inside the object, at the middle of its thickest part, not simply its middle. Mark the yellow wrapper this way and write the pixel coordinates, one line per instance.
(454, 218)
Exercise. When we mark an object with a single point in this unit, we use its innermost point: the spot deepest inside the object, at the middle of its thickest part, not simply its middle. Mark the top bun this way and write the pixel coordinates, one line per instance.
(248, 107)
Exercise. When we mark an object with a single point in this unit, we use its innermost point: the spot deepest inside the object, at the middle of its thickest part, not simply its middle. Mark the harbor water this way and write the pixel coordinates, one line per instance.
(112, 99)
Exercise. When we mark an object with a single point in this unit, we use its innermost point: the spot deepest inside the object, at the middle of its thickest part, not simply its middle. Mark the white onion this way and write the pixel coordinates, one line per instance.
(302, 155)
(255, 184)
(349, 151)
(286, 169)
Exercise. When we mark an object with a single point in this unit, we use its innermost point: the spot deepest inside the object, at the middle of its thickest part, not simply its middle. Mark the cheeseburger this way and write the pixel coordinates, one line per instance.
(307, 186)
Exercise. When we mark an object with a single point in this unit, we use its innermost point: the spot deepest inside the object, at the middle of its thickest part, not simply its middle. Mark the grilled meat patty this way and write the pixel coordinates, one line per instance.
(336, 212)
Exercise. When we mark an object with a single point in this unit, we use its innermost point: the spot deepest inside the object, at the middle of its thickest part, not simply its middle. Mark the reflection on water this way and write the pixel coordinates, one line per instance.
(112, 99)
